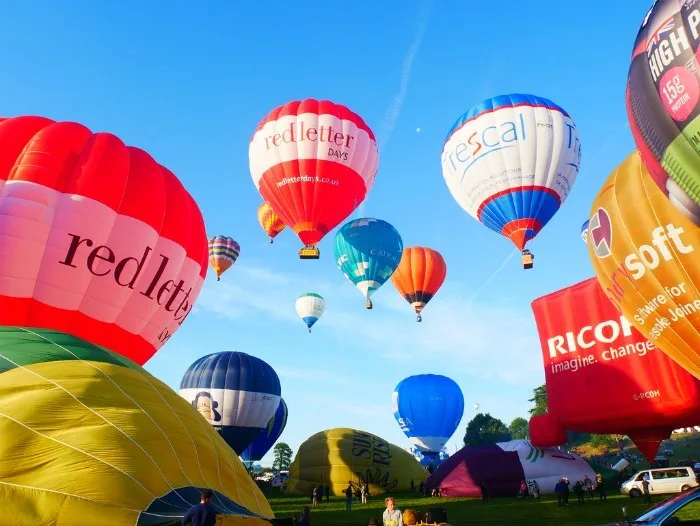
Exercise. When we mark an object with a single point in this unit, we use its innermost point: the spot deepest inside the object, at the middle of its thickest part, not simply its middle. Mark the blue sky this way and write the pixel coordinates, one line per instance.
(188, 82)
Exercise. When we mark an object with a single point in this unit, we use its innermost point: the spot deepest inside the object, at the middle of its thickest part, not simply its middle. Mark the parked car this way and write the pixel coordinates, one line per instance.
(682, 509)
(662, 480)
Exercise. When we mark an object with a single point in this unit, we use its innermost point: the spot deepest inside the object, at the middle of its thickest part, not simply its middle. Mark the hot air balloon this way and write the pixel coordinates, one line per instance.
(584, 231)
(517, 191)
(428, 407)
(644, 252)
(259, 447)
(269, 220)
(223, 252)
(367, 251)
(237, 393)
(337, 456)
(663, 101)
(419, 276)
(89, 437)
(314, 162)
(310, 307)
(96, 238)
(476, 407)
(623, 383)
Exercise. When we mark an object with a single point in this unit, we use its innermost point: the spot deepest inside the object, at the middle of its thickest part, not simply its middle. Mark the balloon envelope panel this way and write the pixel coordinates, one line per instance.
(338, 456)
(268, 436)
(98, 239)
(511, 161)
(624, 383)
(428, 407)
(89, 436)
(645, 256)
(235, 392)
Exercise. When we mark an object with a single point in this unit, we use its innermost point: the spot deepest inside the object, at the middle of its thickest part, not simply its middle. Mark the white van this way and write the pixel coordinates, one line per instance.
(661, 480)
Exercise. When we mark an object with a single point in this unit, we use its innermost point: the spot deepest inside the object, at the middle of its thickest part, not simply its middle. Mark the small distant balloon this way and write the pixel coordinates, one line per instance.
(476, 407)
(417, 130)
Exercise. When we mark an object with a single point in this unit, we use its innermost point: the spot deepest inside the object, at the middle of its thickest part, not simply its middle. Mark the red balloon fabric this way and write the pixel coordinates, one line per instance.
(604, 377)
(96, 238)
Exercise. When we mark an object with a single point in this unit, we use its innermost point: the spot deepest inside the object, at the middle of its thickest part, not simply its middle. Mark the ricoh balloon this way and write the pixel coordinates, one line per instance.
(623, 383)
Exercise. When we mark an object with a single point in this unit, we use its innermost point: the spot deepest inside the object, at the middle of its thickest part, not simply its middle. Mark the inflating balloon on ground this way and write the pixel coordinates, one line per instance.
(645, 256)
(340, 457)
(623, 383)
(98, 239)
(116, 445)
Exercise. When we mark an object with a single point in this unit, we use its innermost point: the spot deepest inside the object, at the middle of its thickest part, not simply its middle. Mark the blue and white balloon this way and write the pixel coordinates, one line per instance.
(237, 393)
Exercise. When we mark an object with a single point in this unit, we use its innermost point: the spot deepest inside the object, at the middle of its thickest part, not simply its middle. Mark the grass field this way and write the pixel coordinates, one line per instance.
(498, 511)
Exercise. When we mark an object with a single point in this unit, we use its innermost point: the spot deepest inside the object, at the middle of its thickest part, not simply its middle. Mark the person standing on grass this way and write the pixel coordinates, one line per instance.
(392, 516)
(600, 487)
(484, 494)
(348, 497)
(328, 493)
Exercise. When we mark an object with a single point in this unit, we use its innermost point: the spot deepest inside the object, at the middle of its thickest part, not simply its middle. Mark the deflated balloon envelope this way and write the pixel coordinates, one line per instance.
(89, 437)
(645, 254)
(336, 456)
(98, 239)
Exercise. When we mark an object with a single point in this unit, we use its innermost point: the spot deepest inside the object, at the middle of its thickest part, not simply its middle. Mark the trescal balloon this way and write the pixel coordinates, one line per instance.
(96, 238)
(314, 162)
(645, 255)
(367, 251)
(663, 100)
(235, 392)
(623, 383)
(428, 408)
(510, 162)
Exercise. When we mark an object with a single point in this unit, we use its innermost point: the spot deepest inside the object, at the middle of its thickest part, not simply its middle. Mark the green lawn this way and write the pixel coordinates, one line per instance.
(498, 512)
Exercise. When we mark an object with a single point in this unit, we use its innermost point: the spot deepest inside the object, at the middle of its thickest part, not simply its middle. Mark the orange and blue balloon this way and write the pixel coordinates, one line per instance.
(223, 252)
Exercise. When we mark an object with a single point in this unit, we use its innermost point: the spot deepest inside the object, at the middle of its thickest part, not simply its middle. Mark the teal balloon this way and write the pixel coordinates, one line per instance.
(368, 251)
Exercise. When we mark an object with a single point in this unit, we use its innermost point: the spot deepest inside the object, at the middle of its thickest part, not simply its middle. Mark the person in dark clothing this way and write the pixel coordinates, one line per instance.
(305, 518)
(578, 491)
(421, 488)
(645, 487)
(327, 489)
(560, 489)
(413, 487)
(600, 487)
(201, 514)
(348, 496)
(484, 494)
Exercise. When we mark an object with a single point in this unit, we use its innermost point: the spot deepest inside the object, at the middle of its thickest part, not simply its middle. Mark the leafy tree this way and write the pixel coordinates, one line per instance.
(540, 401)
(606, 441)
(519, 428)
(484, 429)
(282, 457)
(577, 438)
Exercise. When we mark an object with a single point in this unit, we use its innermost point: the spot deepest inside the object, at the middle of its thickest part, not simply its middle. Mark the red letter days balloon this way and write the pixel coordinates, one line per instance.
(96, 239)
(663, 100)
(604, 377)
(314, 162)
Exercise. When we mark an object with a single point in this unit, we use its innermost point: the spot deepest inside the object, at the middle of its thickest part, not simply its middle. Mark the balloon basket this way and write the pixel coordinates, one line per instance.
(271, 241)
(527, 258)
(368, 305)
(309, 253)
(419, 318)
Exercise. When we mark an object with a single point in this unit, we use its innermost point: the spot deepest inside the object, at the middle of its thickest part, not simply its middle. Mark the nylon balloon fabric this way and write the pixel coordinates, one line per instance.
(314, 162)
(259, 447)
(223, 253)
(420, 274)
(624, 383)
(429, 408)
(645, 255)
(269, 221)
(510, 162)
(89, 437)
(98, 239)
(235, 392)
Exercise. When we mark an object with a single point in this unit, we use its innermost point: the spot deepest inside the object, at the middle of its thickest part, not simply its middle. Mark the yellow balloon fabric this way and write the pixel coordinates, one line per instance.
(89, 437)
(646, 255)
(339, 456)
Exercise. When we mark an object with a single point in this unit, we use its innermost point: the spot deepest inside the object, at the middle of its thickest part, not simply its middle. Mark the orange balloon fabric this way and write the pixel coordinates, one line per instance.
(644, 252)
(419, 275)
(269, 220)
